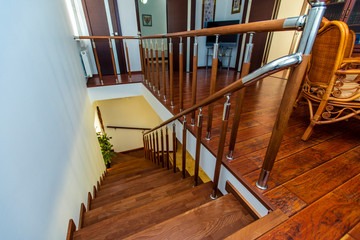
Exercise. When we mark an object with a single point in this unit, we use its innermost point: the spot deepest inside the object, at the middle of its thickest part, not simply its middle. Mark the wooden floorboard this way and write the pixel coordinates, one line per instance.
(310, 180)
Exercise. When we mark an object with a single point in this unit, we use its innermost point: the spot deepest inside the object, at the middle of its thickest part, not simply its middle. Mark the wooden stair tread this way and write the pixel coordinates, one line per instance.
(123, 179)
(126, 204)
(130, 173)
(148, 215)
(132, 167)
(141, 187)
(120, 186)
(214, 220)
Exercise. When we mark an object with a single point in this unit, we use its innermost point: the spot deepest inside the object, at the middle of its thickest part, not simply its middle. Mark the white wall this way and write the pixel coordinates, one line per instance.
(222, 13)
(127, 112)
(49, 153)
(158, 11)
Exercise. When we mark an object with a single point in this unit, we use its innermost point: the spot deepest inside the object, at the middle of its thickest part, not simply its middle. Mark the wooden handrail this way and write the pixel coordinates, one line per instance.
(130, 128)
(261, 26)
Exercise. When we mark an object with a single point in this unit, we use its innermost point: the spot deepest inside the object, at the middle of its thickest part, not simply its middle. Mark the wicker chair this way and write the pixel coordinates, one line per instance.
(331, 81)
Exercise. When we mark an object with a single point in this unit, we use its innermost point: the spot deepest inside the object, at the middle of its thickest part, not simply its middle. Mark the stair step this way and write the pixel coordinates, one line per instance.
(136, 183)
(214, 220)
(139, 170)
(128, 223)
(118, 168)
(141, 187)
(138, 200)
(121, 179)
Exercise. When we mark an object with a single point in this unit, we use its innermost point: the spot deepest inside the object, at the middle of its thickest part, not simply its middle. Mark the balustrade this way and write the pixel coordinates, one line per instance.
(298, 60)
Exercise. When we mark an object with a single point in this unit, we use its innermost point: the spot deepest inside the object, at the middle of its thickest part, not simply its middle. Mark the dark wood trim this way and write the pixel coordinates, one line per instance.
(237, 62)
(130, 128)
(137, 15)
(82, 212)
(71, 230)
(88, 207)
(231, 189)
(132, 150)
(258, 228)
(94, 192)
(249, 187)
(87, 17)
(119, 43)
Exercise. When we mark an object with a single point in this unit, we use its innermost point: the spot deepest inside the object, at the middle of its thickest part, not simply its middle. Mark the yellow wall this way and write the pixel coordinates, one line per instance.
(281, 41)
(128, 112)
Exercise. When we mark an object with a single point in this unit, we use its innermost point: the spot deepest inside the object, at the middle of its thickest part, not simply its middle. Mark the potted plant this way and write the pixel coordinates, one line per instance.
(105, 145)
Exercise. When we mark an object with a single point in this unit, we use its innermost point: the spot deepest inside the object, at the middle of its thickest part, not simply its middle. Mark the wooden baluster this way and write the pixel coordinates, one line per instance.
(144, 61)
(174, 147)
(100, 119)
(184, 148)
(220, 152)
(148, 70)
(113, 61)
(128, 60)
(162, 147)
(240, 99)
(157, 147)
(194, 80)
(97, 61)
(163, 68)
(144, 146)
(283, 115)
(167, 147)
(150, 148)
(212, 86)
(171, 63)
(153, 80)
(141, 56)
(181, 74)
(147, 147)
(154, 154)
(157, 67)
(198, 145)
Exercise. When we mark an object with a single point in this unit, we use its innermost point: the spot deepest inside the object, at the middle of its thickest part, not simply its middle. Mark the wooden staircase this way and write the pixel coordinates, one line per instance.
(139, 200)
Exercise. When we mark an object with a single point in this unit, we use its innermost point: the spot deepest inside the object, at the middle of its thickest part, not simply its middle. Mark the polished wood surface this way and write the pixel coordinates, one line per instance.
(113, 60)
(71, 230)
(97, 62)
(198, 145)
(183, 155)
(214, 220)
(231, 189)
(81, 218)
(294, 158)
(137, 204)
(259, 227)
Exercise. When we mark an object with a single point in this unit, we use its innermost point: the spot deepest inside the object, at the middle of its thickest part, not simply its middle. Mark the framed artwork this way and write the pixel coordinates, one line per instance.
(147, 20)
(236, 5)
(208, 11)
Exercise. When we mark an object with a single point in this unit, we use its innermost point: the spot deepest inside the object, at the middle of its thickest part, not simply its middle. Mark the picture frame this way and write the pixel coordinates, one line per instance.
(236, 6)
(147, 20)
(208, 11)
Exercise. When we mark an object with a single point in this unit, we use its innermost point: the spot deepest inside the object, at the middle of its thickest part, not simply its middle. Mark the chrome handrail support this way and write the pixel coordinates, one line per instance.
(307, 40)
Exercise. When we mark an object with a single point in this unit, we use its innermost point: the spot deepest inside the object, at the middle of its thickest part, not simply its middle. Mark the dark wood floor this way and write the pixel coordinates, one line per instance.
(316, 183)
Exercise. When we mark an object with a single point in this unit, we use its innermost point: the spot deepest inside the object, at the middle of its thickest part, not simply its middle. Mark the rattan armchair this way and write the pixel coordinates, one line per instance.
(332, 82)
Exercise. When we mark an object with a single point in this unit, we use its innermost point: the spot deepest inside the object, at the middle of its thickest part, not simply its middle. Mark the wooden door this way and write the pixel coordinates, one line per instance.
(98, 26)
(261, 10)
(177, 22)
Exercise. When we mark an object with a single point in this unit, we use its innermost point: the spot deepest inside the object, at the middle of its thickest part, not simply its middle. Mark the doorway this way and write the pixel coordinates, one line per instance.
(105, 13)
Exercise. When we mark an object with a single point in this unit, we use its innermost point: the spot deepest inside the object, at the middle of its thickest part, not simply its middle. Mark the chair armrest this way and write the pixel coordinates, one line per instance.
(354, 60)
(349, 71)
